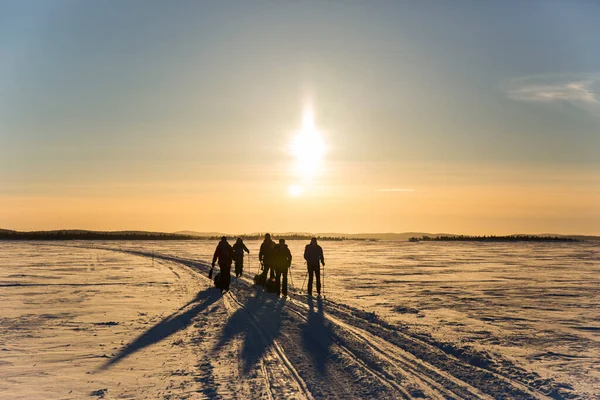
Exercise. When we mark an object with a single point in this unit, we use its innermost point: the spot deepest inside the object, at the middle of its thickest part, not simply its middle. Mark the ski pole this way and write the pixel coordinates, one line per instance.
(323, 280)
(291, 279)
(305, 276)
(259, 265)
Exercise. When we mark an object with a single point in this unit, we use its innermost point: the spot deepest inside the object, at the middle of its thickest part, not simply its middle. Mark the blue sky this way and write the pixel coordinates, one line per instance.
(110, 100)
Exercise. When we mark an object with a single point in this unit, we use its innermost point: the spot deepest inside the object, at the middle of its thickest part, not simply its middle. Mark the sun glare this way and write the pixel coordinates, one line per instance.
(295, 190)
(308, 148)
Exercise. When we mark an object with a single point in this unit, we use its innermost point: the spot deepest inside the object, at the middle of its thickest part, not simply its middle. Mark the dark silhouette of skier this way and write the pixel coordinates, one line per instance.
(313, 254)
(282, 261)
(265, 256)
(224, 255)
(238, 256)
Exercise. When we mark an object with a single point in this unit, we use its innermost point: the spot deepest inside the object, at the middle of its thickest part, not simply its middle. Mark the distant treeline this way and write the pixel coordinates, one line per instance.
(492, 238)
(286, 237)
(136, 235)
(91, 235)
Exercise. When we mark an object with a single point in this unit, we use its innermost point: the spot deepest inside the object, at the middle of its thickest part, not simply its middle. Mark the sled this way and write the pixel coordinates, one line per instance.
(259, 280)
(217, 280)
(271, 286)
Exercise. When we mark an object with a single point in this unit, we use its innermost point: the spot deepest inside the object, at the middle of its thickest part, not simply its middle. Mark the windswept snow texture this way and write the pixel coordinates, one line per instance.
(399, 320)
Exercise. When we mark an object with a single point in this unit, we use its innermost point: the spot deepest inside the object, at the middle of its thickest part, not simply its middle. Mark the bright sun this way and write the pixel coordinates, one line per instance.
(308, 148)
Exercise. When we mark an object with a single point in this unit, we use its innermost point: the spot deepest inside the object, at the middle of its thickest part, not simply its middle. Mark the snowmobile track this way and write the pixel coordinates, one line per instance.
(396, 369)
(405, 366)
(276, 347)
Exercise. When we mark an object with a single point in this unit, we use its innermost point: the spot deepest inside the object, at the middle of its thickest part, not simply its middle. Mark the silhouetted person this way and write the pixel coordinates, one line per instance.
(265, 256)
(313, 254)
(224, 255)
(282, 260)
(238, 256)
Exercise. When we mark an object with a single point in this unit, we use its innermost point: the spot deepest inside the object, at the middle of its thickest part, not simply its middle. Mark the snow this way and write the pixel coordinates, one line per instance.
(398, 320)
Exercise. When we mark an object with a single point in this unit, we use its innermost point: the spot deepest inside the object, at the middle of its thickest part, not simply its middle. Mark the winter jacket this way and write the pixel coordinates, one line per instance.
(238, 250)
(266, 252)
(313, 253)
(223, 253)
(282, 257)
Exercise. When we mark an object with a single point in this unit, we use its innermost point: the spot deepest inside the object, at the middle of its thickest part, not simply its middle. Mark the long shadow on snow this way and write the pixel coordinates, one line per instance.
(259, 322)
(168, 326)
(317, 335)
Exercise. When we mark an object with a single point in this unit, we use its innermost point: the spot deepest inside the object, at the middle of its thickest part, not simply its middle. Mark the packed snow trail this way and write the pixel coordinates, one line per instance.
(253, 344)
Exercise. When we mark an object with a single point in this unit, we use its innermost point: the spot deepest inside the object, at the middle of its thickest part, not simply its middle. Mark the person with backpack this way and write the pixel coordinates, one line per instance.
(313, 254)
(265, 256)
(238, 256)
(282, 261)
(223, 255)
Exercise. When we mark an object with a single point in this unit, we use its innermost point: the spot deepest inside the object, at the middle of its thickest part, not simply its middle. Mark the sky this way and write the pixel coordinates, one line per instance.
(311, 116)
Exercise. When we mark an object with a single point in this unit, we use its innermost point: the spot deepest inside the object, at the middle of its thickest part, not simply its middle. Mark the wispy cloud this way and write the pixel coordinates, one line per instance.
(579, 90)
(396, 190)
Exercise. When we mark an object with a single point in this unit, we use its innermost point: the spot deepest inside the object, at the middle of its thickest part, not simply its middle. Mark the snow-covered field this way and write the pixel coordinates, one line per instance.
(399, 320)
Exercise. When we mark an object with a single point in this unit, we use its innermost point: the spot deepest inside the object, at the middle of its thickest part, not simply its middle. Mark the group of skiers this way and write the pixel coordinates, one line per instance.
(275, 260)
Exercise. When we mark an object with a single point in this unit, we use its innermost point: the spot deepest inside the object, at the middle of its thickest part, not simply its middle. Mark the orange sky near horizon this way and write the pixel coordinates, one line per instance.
(482, 202)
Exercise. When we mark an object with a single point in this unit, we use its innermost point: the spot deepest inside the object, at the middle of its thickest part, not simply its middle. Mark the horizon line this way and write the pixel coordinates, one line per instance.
(216, 233)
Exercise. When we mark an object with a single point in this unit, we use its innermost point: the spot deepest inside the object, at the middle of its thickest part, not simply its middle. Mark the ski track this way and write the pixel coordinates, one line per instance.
(334, 352)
